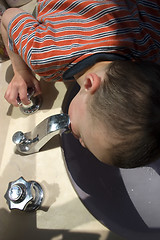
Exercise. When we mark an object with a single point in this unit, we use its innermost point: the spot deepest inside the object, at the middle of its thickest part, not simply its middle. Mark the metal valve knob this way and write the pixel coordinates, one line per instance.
(23, 195)
(35, 102)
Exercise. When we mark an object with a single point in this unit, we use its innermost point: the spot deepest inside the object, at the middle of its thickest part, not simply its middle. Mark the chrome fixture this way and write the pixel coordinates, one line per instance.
(33, 106)
(32, 142)
(23, 195)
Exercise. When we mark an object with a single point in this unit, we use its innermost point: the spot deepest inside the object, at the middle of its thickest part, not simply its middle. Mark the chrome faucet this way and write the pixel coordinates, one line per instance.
(32, 142)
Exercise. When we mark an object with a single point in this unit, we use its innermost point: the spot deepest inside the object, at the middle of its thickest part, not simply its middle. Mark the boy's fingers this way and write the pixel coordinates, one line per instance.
(23, 96)
(11, 97)
(37, 88)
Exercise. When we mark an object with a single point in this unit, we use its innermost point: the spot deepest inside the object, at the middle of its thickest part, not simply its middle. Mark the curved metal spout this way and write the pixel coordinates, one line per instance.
(32, 142)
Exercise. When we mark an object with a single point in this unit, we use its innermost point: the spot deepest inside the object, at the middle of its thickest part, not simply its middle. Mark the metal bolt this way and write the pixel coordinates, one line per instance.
(23, 195)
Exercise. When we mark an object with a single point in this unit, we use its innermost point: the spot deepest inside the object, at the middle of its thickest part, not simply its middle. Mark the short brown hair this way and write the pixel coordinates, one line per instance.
(129, 102)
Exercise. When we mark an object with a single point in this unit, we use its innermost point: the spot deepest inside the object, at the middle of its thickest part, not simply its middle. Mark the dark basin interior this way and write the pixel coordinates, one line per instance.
(127, 201)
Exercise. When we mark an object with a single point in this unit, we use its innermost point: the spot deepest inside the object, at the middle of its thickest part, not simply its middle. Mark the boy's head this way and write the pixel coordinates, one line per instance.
(116, 113)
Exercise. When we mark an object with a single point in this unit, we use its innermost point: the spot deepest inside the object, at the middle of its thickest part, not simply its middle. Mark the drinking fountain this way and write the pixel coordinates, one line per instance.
(127, 201)
(33, 141)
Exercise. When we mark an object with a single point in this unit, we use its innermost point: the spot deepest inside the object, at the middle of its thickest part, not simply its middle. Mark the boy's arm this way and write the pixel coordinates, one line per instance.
(23, 77)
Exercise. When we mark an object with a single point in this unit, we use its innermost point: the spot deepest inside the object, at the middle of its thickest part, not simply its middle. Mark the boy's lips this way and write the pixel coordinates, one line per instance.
(77, 137)
(73, 132)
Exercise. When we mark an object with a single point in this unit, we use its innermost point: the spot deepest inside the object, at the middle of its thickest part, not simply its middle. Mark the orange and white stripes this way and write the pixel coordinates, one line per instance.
(67, 31)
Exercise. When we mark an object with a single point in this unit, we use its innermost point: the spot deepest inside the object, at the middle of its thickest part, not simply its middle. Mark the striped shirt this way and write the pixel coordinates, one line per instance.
(66, 32)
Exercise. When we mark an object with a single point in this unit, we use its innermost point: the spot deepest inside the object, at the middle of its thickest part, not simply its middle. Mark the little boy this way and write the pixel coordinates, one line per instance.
(112, 49)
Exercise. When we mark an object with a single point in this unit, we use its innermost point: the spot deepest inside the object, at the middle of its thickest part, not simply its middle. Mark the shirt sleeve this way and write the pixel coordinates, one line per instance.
(33, 40)
(21, 33)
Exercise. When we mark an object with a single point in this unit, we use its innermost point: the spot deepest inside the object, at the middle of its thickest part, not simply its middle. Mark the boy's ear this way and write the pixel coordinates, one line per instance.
(92, 82)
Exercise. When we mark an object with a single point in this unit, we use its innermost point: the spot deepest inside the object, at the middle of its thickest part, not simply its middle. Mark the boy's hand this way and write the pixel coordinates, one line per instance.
(17, 88)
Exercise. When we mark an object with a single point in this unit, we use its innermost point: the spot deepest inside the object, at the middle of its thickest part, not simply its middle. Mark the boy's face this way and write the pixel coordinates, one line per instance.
(90, 133)
(84, 126)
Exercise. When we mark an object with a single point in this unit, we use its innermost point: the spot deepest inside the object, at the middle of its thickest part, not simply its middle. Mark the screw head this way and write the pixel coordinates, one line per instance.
(15, 192)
